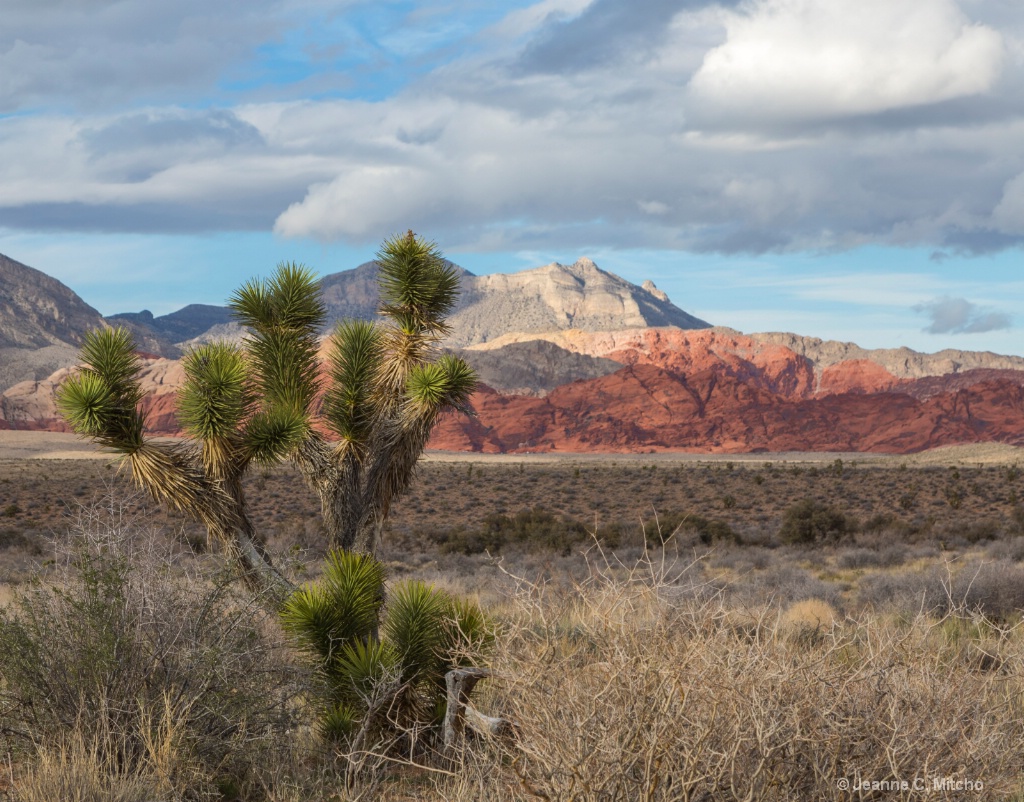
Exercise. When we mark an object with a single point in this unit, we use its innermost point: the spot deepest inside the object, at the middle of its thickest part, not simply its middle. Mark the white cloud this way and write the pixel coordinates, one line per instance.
(812, 59)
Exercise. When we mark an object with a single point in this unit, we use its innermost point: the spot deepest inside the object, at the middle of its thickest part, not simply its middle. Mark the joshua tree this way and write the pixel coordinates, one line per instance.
(388, 385)
(258, 404)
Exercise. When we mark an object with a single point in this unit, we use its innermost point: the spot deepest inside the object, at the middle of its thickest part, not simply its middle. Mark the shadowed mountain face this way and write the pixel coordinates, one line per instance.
(38, 311)
(186, 323)
(42, 323)
(534, 368)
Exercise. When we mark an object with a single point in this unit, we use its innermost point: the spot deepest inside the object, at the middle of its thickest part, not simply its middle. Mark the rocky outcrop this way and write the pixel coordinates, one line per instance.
(555, 297)
(721, 350)
(663, 389)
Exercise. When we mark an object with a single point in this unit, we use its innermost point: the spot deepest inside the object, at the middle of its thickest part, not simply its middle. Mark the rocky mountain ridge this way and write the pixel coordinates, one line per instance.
(575, 377)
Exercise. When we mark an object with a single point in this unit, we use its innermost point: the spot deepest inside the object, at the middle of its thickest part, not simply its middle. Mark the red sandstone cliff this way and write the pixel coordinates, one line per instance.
(708, 390)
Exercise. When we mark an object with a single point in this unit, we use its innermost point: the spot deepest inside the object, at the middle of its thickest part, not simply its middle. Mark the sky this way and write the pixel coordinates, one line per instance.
(846, 169)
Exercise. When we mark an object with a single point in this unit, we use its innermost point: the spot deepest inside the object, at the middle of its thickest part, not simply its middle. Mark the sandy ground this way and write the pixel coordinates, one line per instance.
(46, 445)
(51, 445)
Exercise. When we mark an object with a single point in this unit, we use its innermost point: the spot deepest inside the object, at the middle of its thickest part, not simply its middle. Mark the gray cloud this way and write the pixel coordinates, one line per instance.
(171, 128)
(603, 33)
(960, 316)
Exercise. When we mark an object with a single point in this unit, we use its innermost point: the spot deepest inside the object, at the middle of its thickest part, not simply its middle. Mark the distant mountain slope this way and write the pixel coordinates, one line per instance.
(188, 322)
(555, 297)
(42, 323)
(558, 297)
(37, 310)
(550, 298)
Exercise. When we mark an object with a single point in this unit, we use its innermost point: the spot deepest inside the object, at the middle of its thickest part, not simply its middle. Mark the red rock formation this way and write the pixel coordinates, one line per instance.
(644, 408)
(707, 391)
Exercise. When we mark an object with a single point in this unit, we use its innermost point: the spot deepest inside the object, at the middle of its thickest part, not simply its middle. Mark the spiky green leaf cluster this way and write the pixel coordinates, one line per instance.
(414, 626)
(424, 632)
(354, 358)
(285, 314)
(100, 400)
(343, 607)
(214, 398)
(418, 285)
(272, 434)
(436, 386)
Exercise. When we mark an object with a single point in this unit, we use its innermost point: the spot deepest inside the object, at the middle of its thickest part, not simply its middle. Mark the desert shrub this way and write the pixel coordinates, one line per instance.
(783, 584)
(907, 592)
(534, 528)
(144, 665)
(810, 521)
(887, 524)
(382, 665)
(18, 539)
(744, 560)
(1017, 519)
(807, 622)
(886, 557)
(660, 528)
(995, 590)
(1011, 550)
(979, 529)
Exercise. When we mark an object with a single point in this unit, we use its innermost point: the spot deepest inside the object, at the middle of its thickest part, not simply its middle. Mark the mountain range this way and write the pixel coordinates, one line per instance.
(573, 358)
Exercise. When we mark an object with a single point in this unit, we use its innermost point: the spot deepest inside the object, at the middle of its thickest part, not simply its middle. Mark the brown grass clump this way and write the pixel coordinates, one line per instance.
(813, 613)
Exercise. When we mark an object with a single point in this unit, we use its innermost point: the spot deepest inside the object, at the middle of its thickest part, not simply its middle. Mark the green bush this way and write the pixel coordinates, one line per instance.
(381, 665)
(810, 521)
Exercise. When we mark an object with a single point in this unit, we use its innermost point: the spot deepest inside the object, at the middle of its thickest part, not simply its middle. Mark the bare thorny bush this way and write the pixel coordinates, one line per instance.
(129, 661)
(637, 684)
